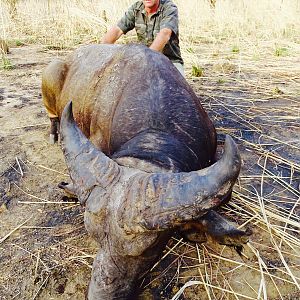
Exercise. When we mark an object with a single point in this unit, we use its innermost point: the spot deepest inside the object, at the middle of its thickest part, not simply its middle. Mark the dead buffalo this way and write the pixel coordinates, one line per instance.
(140, 155)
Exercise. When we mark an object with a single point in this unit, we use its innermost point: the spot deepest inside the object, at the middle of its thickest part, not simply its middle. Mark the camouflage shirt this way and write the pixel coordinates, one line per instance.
(147, 28)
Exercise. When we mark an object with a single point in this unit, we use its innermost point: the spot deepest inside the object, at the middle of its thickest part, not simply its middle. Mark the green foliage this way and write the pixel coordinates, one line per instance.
(19, 43)
(6, 63)
(277, 91)
(221, 81)
(190, 50)
(281, 51)
(235, 49)
(197, 71)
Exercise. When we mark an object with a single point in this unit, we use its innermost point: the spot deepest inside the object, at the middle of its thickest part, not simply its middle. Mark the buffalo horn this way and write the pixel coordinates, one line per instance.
(169, 199)
(88, 167)
(157, 201)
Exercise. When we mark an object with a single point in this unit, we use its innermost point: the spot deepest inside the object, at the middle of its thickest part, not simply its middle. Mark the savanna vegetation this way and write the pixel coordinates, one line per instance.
(242, 59)
(246, 26)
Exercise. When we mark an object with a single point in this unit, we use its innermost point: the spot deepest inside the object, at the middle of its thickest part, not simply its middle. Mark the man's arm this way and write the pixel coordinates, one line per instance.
(161, 39)
(124, 25)
(168, 25)
(112, 35)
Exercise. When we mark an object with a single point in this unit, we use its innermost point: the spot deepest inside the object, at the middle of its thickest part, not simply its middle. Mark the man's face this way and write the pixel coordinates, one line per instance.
(150, 3)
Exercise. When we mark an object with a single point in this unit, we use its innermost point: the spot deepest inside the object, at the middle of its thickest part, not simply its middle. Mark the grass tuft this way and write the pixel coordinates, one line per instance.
(6, 64)
(281, 51)
(197, 71)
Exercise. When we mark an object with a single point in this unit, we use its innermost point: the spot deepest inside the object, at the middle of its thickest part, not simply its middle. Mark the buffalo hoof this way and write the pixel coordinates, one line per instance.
(194, 236)
(53, 138)
(69, 189)
(234, 238)
(214, 225)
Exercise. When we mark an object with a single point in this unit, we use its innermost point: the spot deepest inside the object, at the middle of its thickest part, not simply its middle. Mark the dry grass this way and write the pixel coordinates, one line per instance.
(64, 24)
(249, 52)
(67, 23)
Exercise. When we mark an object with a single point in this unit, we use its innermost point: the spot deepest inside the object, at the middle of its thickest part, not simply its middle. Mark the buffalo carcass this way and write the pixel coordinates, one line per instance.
(140, 155)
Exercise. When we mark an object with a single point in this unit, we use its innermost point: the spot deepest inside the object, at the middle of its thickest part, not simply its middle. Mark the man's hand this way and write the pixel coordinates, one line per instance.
(161, 39)
(112, 35)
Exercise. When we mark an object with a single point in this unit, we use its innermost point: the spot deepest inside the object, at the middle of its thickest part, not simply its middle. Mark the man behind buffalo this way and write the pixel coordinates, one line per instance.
(156, 25)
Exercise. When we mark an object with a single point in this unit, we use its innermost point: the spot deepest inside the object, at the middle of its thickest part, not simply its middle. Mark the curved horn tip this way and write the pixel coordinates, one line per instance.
(68, 112)
(230, 145)
(231, 151)
(229, 142)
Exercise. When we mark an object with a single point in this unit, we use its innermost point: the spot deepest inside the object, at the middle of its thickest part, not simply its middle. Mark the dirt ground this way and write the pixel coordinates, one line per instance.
(45, 252)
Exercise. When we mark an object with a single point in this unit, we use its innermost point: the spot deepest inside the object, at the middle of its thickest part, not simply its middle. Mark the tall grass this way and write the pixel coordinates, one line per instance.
(67, 23)
(263, 19)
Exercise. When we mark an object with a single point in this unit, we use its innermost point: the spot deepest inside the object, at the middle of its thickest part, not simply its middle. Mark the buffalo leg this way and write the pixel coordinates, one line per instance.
(54, 130)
